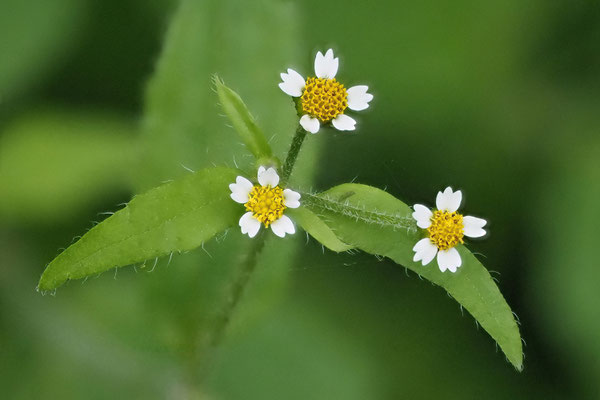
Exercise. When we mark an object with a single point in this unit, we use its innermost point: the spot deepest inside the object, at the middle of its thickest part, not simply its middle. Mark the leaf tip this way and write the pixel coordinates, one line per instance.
(44, 285)
(49, 280)
(217, 81)
(518, 364)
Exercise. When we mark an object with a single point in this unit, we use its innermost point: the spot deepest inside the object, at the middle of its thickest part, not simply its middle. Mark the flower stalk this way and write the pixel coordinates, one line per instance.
(240, 280)
(235, 291)
(292, 155)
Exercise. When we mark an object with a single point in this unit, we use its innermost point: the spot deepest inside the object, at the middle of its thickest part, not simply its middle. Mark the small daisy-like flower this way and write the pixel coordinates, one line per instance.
(445, 229)
(322, 99)
(265, 203)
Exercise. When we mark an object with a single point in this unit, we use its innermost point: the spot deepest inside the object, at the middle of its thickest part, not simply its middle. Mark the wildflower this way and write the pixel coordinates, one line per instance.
(445, 229)
(265, 203)
(322, 99)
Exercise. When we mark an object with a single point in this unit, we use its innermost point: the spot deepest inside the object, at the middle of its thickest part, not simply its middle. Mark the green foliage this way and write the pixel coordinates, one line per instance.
(378, 223)
(567, 242)
(184, 126)
(175, 217)
(313, 225)
(84, 156)
(182, 123)
(32, 49)
(180, 129)
(243, 122)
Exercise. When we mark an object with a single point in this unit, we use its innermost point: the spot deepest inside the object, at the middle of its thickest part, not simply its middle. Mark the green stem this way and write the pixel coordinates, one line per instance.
(208, 342)
(292, 154)
(340, 206)
(238, 284)
(240, 280)
(236, 290)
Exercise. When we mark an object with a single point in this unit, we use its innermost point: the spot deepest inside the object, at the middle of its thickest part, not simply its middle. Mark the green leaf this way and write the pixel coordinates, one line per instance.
(177, 216)
(248, 47)
(183, 126)
(314, 226)
(243, 122)
(54, 163)
(378, 223)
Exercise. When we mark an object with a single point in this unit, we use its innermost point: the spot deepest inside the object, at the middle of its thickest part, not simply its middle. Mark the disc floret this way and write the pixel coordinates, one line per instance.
(322, 99)
(265, 203)
(445, 229)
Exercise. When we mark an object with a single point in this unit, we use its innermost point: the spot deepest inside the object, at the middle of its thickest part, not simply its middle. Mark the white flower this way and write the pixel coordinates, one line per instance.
(445, 229)
(265, 203)
(322, 99)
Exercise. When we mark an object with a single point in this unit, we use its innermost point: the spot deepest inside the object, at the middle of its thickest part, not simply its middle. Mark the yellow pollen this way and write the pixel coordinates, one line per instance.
(323, 98)
(446, 230)
(266, 203)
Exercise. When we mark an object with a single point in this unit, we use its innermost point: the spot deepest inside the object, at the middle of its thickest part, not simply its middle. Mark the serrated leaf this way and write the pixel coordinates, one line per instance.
(378, 223)
(243, 122)
(175, 217)
(314, 225)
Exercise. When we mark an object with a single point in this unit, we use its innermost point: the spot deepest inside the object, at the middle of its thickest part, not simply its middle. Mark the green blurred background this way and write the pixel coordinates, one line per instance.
(498, 98)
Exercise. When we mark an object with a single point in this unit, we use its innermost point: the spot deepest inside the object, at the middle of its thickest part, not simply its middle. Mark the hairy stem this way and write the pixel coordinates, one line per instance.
(292, 154)
(209, 341)
(240, 280)
(236, 290)
(342, 206)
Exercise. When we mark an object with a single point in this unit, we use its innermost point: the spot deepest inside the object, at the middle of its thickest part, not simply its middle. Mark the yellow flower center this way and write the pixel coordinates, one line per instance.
(266, 203)
(446, 230)
(324, 98)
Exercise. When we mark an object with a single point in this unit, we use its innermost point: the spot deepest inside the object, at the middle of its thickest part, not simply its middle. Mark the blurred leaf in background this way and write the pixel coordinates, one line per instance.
(54, 163)
(564, 282)
(498, 98)
(183, 128)
(34, 37)
(247, 47)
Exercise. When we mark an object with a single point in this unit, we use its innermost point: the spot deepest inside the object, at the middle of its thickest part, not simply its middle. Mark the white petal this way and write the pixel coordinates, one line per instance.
(310, 124)
(290, 89)
(249, 224)
(448, 200)
(473, 226)
(422, 215)
(268, 177)
(293, 83)
(449, 259)
(333, 64)
(291, 198)
(358, 98)
(424, 251)
(282, 226)
(320, 65)
(343, 123)
(325, 65)
(240, 189)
